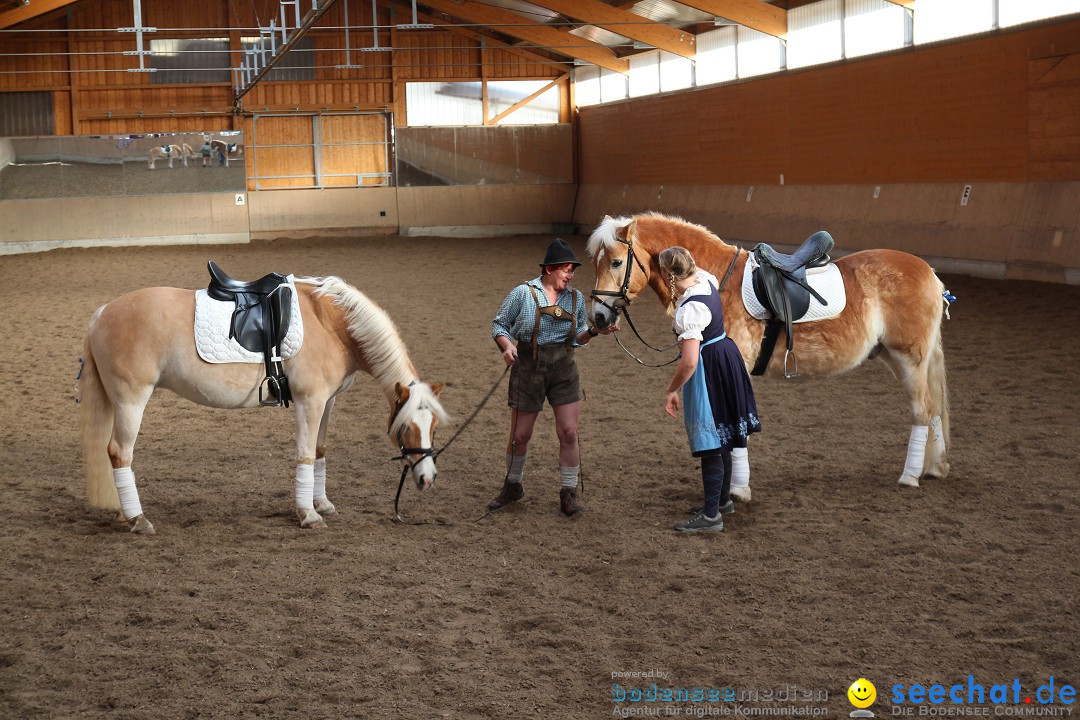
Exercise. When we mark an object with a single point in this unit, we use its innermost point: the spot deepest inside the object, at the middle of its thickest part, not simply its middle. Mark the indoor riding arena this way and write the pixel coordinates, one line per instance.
(907, 545)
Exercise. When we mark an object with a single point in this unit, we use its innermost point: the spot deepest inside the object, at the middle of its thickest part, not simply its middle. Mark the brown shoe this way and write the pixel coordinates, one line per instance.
(511, 492)
(568, 501)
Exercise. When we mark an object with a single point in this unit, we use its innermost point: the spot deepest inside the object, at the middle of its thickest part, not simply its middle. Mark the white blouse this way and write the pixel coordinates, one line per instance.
(691, 319)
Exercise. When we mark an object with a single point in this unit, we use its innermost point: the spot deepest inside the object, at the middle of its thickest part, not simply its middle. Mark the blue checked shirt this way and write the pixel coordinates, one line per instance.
(517, 315)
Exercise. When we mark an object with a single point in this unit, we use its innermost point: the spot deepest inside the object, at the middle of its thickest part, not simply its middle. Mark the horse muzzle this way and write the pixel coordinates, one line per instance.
(424, 473)
(603, 314)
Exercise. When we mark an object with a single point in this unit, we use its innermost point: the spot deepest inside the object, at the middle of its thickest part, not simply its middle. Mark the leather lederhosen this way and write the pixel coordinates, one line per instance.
(557, 312)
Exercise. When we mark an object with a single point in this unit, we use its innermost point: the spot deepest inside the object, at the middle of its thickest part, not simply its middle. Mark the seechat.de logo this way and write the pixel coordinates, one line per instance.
(862, 694)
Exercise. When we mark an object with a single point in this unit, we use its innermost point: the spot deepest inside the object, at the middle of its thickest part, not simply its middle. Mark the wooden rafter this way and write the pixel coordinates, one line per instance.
(30, 11)
(510, 23)
(753, 14)
(525, 101)
(625, 23)
(903, 3)
(490, 42)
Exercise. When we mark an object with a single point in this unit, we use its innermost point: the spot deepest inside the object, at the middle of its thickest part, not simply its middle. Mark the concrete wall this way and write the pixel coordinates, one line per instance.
(36, 225)
(7, 152)
(1013, 230)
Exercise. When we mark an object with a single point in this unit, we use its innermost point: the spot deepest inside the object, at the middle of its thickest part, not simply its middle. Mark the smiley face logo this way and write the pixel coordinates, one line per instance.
(862, 693)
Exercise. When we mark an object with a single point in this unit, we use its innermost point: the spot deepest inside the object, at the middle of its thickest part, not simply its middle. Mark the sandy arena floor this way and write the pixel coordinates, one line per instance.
(832, 573)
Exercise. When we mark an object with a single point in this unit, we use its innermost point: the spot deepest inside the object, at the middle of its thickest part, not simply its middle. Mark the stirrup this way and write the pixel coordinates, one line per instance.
(273, 398)
(794, 364)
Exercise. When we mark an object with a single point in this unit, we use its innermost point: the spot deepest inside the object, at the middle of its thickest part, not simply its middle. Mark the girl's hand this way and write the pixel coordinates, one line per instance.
(671, 405)
(510, 355)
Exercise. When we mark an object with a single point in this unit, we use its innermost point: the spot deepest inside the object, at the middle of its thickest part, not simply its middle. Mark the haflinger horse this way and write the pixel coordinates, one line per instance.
(220, 148)
(144, 340)
(894, 308)
(169, 152)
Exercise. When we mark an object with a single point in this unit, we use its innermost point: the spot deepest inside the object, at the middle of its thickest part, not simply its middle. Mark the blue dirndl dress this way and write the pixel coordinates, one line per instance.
(719, 409)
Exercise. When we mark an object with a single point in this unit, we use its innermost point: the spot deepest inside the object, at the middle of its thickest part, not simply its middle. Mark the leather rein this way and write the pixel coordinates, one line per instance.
(620, 294)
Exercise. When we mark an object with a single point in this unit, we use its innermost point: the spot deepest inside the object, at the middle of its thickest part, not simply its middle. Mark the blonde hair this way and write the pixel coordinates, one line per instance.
(678, 264)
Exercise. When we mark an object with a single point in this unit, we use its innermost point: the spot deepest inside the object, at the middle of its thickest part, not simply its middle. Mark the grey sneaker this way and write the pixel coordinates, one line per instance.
(726, 509)
(699, 523)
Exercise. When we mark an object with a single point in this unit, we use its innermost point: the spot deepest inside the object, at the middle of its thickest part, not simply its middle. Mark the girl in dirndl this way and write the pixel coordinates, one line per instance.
(718, 401)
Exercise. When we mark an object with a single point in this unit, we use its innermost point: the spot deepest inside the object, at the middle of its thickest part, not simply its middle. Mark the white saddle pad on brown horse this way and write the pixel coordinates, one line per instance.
(212, 321)
(827, 281)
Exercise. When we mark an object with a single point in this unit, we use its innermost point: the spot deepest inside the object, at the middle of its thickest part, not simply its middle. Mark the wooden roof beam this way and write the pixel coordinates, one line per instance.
(622, 22)
(903, 3)
(753, 14)
(510, 23)
(30, 11)
(492, 43)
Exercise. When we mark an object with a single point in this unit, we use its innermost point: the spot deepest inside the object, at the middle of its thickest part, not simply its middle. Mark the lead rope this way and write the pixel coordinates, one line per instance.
(513, 431)
(408, 464)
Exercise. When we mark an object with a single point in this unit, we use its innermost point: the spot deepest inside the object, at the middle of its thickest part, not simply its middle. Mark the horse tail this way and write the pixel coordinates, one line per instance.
(939, 390)
(96, 421)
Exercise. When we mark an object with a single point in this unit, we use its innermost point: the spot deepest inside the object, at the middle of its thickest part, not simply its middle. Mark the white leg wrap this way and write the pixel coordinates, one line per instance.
(916, 449)
(320, 479)
(568, 476)
(305, 487)
(515, 467)
(740, 468)
(129, 494)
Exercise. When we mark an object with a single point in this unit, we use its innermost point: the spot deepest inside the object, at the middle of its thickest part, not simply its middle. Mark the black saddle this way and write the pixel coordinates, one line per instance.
(780, 285)
(259, 323)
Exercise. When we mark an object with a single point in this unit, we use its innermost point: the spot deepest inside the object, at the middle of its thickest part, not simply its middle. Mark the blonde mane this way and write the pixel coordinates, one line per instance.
(383, 348)
(604, 237)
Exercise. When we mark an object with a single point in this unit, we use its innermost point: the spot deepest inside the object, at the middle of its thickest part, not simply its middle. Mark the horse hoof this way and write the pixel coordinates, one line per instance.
(325, 508)
(315, 525)
(908, 481)
(142, 526)
(741, 494)
(940, 472)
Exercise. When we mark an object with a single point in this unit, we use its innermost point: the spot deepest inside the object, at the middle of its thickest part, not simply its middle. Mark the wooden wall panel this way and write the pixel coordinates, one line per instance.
(1054, 116)
(957, 112)
(435, 56)
(282, 146)
(26, 79)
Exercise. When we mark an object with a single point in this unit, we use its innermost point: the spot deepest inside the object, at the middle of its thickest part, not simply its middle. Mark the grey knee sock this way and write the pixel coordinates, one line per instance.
(515, 467)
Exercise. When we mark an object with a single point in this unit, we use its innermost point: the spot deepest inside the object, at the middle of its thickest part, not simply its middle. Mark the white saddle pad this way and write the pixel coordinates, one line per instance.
(827, 281)
(212, 319)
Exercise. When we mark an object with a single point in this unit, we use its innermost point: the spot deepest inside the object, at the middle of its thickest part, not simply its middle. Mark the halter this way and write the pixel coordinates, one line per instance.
(621, 293)
(428, 452)
(407, 463)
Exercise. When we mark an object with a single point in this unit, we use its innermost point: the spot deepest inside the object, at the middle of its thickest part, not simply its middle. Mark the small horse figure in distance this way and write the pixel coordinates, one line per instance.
(222, 149)
(169, 152)
(894, 311)
(144, 340)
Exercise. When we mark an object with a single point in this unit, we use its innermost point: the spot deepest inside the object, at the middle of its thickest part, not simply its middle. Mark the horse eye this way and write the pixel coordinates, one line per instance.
(616, 263)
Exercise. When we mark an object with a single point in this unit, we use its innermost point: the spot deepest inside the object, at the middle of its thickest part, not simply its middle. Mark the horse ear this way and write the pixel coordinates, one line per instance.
(400, 391)
(437, 388)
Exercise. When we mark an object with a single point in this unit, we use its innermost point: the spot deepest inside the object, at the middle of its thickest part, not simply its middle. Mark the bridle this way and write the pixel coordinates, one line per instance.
(620, 294)
(408, 464)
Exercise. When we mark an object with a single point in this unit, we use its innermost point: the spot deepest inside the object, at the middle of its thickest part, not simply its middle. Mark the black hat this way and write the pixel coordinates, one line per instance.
(559, 252)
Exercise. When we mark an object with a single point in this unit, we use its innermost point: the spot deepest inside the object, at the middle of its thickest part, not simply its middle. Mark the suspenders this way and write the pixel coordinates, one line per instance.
(557, 312)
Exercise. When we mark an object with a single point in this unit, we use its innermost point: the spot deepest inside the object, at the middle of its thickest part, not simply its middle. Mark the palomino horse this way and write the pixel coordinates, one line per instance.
(144, 340)
(894, 309)
(220, 148)
(169, 152)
